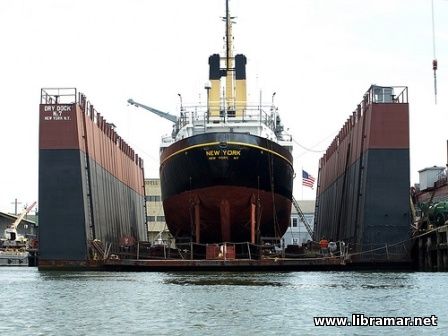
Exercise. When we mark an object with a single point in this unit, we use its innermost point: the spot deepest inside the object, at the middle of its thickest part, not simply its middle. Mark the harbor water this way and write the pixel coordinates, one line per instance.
(102, 303)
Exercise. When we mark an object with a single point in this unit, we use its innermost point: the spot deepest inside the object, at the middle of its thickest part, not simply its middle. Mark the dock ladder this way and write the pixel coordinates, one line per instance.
(302, 217)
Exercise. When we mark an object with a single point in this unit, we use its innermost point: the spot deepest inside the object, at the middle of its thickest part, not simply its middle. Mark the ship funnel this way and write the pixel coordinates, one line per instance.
(214, 77)
(240, 79)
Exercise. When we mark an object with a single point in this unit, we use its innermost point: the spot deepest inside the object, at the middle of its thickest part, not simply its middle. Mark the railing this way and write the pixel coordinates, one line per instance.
(58, 96)
(386, 94)
(201, 115)
(381, 252)
(229, 251)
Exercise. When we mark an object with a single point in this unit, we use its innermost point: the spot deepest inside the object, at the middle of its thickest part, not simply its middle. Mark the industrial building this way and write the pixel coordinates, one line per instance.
(155, 217)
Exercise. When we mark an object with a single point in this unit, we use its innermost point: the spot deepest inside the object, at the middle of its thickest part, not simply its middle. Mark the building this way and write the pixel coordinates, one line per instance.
(297, 234)
(155, 217)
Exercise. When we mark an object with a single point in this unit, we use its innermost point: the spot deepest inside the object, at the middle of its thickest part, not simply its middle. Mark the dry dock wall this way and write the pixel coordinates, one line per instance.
(91, 183)
(363, 183)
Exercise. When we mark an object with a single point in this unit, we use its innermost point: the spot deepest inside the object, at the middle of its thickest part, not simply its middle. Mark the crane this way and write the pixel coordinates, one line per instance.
(165, 115)
(11, 237)
(434, 61)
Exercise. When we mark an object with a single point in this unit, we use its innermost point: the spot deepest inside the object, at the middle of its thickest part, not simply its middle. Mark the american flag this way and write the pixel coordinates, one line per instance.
(307, 179)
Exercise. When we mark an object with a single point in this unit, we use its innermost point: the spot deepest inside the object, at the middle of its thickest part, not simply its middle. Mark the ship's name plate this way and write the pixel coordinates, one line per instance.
(223, 154)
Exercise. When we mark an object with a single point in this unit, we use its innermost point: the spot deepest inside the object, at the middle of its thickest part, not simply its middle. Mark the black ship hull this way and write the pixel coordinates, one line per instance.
(221, 187)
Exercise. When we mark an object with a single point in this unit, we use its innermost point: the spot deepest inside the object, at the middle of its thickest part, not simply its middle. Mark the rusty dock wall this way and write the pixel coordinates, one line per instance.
(364, 177)
(91, 182)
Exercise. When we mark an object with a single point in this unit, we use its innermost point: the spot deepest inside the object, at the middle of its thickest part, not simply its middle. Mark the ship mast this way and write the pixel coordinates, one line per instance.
(230, 102)
(234, 69)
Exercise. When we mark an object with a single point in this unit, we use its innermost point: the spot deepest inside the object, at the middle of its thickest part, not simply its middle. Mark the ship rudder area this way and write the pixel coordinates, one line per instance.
(227, 214)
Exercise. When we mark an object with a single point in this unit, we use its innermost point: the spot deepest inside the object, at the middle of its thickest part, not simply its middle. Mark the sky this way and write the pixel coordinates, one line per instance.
(319, 56)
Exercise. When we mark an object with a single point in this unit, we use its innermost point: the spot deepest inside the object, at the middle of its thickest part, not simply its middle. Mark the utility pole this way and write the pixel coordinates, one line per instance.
(15, 205)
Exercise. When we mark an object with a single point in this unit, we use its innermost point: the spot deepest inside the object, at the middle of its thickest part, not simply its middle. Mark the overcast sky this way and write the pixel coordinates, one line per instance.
(320, 56)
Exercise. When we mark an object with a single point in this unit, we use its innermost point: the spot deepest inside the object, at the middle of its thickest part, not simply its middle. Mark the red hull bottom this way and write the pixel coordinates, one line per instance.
(227, 214)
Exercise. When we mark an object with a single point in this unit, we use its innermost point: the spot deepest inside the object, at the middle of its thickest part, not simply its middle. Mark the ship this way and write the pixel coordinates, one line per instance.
(362, 196)
(226, 170)
(91, 184)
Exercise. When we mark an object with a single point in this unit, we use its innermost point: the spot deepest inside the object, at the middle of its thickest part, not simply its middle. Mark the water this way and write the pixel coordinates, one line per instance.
(95, 303)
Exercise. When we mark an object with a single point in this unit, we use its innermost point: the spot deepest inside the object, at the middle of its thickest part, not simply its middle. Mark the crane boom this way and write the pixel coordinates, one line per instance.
(22, 215)
(165, 115)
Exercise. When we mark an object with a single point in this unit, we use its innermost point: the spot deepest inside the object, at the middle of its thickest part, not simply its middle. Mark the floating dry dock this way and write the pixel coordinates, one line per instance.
(90, 181)
(363, 182)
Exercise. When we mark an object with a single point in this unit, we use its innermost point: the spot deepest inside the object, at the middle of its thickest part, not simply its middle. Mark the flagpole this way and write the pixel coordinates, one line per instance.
(302, 183)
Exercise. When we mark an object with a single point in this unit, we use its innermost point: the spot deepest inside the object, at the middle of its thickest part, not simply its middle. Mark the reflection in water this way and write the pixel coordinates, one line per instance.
(223, 279)
(353, 280)
(91, 276)
(385, 286)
